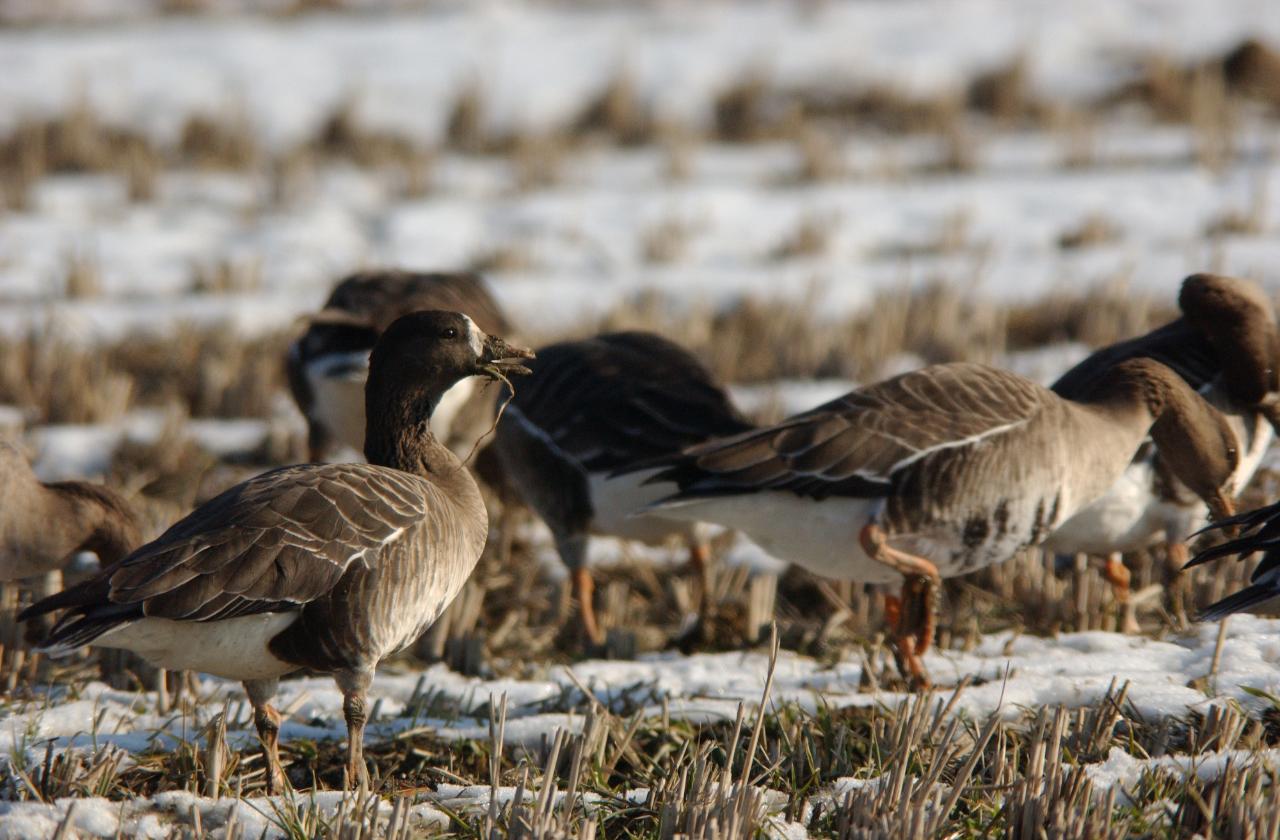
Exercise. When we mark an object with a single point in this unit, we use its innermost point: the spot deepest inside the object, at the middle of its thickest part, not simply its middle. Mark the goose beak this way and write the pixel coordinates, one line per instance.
(499, 359)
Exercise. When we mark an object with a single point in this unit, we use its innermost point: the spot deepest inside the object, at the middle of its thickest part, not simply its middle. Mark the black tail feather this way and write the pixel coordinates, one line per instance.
(1246, 598)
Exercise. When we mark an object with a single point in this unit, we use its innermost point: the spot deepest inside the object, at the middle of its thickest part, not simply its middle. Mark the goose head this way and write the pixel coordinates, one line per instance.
(433, 349)
(1194, 438)
(1239, 323)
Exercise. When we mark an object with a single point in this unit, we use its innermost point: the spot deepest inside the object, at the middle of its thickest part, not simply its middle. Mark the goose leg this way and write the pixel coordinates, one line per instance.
(1117, 574)
(267, 721)
(573, 551)
(700, 560)
(1177, 555)
(916, 619)
(355, 688)
(584, 593)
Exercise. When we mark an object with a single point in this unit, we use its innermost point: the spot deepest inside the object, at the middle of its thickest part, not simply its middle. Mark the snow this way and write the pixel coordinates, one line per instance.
(537, 64)
(66, 451)
(1012, 677)
(581, 239)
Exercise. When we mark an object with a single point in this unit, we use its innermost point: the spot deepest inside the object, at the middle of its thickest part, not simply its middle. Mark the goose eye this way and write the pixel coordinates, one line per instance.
(450, 332)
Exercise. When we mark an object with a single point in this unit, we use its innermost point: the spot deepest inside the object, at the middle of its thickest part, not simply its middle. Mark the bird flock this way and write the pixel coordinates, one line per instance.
(331, 566)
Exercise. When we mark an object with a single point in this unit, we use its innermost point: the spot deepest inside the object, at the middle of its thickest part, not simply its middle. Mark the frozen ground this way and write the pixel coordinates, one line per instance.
(578, 250)
(579, 246)
(1011, 677)
(538, 63)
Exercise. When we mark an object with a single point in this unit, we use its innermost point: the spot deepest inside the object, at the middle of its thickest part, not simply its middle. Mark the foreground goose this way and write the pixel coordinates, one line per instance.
(942, 471)
(42, 526)
(592, 408)
(323, 566)
(1259, 530)
(1227, 346)
(328, 364)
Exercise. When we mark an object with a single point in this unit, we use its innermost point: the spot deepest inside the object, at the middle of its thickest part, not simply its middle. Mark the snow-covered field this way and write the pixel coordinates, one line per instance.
(822, 216)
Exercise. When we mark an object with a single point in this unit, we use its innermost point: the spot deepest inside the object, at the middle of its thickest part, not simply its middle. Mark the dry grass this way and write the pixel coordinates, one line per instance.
(811, 237)
(207, 372)
(1094, 230)
(968, 778)
(667, 240)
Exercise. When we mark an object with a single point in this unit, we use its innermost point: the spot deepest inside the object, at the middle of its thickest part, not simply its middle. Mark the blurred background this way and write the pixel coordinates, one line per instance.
(807, 194)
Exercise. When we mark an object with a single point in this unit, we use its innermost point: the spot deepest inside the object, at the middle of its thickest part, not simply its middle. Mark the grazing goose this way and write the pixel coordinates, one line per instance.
(323, 566)
(940, 472)
(1257, 530)
(42, 526)
(594, 407)
(1227, 346)
(327, 366)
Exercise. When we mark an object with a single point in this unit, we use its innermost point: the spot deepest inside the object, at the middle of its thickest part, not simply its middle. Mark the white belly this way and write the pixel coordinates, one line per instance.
(233, 648)
(614, 500)
(337, 381)
(1125, 518)
(821, 536)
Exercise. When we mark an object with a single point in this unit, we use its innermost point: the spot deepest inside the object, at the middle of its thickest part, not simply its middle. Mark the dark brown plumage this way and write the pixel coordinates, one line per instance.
(327, 365)
(323, 566)
(591, 408)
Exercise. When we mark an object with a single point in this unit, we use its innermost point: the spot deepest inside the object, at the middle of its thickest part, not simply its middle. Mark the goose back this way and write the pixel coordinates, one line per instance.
(594, 406)
(363, 557)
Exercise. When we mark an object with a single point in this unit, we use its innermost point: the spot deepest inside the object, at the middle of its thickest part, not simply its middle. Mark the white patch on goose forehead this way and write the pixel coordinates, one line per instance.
(475, 336)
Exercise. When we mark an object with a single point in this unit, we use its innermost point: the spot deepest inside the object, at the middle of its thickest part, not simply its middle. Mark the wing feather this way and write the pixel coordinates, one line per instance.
(619, 398)
(856, 444)
(283, 538)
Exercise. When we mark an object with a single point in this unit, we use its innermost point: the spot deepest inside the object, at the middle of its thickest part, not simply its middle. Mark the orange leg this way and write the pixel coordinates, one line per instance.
(583, 591)
(916, 619)
(1116, 573)
(892, 611)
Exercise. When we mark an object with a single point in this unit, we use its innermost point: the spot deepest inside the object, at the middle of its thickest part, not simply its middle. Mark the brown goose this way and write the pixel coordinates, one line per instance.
(323, 566)
(1258, 530)
(328, 364)
(942, 471)
(592, 408)
(42, 526)
(1226, 346)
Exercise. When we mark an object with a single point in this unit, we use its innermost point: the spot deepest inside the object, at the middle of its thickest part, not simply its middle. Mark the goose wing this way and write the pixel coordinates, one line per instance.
(857, 444)
(274, 542)
(623, 397)
(1177, 345)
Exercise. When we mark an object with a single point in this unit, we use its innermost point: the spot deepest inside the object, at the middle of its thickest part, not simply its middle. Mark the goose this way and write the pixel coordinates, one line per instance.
(327, 365)
(1256, 530)
(939, 472)
(329, 567)
(42, 526)
(593, 407)
(1226, 345)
